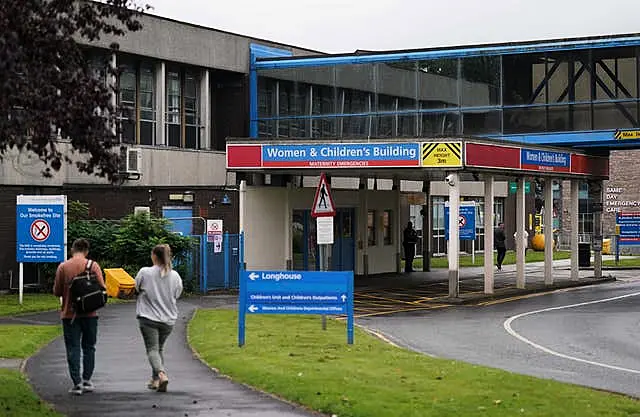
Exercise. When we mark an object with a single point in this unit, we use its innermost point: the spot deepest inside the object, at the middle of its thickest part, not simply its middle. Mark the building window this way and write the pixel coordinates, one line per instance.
(127, 101)
(192, 125)
(174, 109)
(147, 107)
(371, 228)
(387, 227)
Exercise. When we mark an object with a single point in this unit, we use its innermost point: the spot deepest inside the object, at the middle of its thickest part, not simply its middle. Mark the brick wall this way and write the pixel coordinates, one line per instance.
(625, 176)
(109, 203)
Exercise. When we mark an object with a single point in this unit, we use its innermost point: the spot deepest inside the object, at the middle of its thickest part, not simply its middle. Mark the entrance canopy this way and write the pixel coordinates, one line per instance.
(411, 159)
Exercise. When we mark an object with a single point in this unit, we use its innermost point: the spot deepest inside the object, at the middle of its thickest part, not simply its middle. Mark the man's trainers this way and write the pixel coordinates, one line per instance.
(163, 381)
(87, 386)
(76, 390)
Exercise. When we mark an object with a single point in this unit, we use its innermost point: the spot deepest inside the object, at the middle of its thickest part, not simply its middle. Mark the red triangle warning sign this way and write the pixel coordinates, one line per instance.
(323, 202)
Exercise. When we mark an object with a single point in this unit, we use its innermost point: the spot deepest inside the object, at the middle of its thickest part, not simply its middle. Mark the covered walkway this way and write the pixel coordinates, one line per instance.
(292, 167)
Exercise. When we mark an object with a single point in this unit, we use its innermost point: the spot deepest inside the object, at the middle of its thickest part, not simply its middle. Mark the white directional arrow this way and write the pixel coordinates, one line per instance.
(344, 298)
(253, 276)
(253, 308)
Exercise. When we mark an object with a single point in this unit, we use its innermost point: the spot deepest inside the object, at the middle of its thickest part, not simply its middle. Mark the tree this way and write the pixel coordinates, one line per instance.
(49, 90)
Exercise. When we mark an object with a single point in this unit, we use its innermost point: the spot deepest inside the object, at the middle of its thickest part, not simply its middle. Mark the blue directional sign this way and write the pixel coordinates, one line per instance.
(296, 292)
(466, 221)
(41, 228)
(629, 223)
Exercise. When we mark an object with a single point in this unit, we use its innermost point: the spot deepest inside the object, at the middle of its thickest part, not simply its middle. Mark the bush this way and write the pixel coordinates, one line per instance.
(126, 243)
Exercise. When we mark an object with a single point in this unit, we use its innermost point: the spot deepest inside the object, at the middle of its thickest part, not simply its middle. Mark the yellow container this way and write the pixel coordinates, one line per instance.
(119, 283)
(606, 247)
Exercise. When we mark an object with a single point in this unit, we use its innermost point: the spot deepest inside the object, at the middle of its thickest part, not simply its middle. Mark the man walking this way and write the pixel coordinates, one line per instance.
(80, 330)
(499, 240)
(409, 244)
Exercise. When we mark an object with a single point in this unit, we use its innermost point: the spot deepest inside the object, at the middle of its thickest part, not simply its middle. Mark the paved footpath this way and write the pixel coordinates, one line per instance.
(122, 371)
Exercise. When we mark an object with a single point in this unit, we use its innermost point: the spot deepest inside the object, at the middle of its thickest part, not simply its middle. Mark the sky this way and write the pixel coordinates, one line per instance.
(344, 26)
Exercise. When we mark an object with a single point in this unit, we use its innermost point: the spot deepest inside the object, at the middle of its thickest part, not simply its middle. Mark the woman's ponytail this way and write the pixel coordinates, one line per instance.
(163, 253)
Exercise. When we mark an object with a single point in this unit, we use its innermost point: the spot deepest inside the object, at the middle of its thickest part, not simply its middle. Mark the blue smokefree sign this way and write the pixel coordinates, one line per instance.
(41, 232)
(296, 292)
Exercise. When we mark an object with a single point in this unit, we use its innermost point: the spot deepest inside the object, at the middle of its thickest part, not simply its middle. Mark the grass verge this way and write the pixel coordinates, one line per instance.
(293, 358)
(31, 303)
(510, 259)
(627, 262)
(18, 341)
(35, 303)
(17, 399)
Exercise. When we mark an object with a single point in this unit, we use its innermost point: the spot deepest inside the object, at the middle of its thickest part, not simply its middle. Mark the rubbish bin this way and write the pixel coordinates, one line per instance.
(584, 255)
(119, 283)
(606, 247)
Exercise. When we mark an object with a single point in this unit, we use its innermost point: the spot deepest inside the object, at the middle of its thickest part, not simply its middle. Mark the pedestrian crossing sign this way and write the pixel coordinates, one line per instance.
(323, 205)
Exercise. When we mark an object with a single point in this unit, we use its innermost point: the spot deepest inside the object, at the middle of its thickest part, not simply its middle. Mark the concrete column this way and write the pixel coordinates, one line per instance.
(205, 110)
(397, 226)
(363, 190)
(161, 88)
(454, 234)
(242, 205)
(520, 223)
(548, 231)
(595, 189)
(427, 230)
(489, 194)
(287, 229)
(573, 209)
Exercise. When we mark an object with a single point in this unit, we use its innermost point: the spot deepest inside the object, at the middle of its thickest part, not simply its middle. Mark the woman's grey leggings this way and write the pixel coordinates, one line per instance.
(155, 335)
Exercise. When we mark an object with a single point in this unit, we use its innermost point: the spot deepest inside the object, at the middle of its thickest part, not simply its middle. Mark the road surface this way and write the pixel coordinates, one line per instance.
(588, 336)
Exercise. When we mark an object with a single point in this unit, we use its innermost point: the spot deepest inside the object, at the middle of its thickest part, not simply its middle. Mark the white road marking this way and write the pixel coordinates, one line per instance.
(509, 329)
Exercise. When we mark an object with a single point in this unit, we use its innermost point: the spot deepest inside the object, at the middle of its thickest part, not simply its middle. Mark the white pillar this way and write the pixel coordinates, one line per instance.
(454, 234)
(489, 194)
(397, 226)
(520, 220)
(287, 229)
(205, 110)
(242, 205)
(548, 231)
(161, 74)
(575, 193)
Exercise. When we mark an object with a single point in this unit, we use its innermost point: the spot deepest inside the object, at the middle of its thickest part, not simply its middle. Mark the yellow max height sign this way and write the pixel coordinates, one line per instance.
(627, 134)
(442, 154)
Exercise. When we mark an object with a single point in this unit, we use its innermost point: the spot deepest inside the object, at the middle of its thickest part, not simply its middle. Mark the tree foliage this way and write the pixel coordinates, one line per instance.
(49, 90)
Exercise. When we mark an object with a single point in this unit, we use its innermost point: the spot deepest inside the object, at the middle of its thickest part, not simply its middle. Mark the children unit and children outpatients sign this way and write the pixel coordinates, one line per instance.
(41, 228)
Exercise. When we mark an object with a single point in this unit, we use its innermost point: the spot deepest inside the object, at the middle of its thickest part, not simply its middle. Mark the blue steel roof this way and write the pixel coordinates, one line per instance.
(452, 52)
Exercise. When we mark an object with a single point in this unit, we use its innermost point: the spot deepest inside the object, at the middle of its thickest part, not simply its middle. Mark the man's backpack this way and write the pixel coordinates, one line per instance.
(87, 295)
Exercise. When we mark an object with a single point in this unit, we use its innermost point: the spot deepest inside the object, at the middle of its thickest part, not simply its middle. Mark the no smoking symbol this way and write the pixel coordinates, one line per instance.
(462, 221)
(40, 230)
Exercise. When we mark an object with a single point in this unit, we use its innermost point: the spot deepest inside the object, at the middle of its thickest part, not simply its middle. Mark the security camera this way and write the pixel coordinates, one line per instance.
(449, 180)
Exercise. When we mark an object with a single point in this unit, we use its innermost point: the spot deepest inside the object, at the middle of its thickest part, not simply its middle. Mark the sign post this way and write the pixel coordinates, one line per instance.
(323, 210)
(41, 231)
(296, 292)
(214, 234)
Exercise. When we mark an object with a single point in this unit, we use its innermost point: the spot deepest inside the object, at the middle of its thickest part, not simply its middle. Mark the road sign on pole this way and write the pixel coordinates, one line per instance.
(41, 231)
(323, 205)
(296, 292)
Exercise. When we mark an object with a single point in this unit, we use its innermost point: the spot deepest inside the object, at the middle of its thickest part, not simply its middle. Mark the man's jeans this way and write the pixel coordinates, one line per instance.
(80, 333)
(155, 335)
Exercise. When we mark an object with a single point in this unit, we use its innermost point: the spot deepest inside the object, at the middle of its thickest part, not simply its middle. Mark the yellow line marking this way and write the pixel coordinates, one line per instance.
(382, 313)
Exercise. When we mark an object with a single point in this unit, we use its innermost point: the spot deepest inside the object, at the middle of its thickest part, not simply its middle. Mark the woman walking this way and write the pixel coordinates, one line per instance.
(159, 287)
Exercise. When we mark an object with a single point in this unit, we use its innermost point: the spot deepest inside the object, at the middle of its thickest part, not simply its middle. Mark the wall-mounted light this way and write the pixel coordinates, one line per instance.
(226, 201)
(188, 197)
